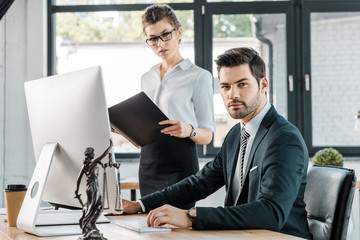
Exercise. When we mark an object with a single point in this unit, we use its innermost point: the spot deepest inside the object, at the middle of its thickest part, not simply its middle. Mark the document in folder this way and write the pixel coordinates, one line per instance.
(137, 119)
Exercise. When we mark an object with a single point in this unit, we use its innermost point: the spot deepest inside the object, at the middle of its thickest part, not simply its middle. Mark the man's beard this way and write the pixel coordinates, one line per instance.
(249, 107)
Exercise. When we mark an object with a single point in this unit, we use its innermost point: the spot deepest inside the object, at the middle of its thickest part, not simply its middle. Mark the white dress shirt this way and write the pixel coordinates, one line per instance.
(185, 93)
(251, 127)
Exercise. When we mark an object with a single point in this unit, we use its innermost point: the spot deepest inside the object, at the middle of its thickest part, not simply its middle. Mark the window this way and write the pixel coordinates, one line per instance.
(100, 2)
(310, 48)
(113, 40)
(249, 30)
(241, 0)
(335, 87)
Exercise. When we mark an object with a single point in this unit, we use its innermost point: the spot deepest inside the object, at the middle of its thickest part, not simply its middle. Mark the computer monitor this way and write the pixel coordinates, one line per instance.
(67, 114)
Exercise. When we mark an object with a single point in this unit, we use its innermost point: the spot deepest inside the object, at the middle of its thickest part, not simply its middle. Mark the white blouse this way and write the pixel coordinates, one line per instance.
(185, 93)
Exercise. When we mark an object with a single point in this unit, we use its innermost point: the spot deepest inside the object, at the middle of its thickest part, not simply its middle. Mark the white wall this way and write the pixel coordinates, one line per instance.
(22, 58)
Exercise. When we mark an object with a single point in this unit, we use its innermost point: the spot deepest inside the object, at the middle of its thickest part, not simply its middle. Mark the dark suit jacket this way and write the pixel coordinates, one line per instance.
(272, 197)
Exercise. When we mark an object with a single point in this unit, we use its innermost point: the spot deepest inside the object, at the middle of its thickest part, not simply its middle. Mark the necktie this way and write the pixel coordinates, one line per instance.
(239, 172)
(243, 142)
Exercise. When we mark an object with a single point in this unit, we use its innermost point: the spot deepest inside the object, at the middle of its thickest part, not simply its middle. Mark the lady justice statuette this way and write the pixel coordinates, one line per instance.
(94, 206)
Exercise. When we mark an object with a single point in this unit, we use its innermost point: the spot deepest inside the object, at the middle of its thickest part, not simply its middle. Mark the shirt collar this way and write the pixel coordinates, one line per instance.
(184, 65)
(253, 125)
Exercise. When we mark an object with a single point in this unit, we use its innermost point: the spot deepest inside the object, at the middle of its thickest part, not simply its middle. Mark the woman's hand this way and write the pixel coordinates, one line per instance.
(168, 214)
(177, 129)
(183, 130)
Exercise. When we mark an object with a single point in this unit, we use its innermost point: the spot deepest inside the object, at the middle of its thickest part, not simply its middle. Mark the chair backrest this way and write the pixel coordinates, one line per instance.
(328, 196)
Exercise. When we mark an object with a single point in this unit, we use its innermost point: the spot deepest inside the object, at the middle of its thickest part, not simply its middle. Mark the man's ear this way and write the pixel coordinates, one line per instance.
(264, 85)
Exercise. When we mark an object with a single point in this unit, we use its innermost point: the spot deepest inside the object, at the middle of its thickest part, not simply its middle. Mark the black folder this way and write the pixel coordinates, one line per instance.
(137, 119)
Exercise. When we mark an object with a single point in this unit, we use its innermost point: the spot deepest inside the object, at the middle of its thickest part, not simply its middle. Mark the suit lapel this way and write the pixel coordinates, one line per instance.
(262, 131)
(232, 157)
(259, 136)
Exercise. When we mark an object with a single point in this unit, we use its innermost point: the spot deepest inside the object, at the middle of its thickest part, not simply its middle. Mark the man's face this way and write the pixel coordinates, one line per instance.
(241, 93)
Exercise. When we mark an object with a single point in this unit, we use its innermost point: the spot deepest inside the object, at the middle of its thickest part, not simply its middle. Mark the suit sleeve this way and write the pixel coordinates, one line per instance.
(191, 189)
(281, 172)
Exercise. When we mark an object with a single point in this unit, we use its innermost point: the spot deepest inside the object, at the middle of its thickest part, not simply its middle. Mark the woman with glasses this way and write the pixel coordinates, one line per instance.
(183, 92)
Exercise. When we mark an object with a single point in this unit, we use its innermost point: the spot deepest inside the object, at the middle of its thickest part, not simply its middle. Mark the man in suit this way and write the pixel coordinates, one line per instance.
(262, 163)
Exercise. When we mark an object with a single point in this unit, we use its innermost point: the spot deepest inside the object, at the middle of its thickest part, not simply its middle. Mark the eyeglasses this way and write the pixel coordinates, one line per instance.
(163, 37)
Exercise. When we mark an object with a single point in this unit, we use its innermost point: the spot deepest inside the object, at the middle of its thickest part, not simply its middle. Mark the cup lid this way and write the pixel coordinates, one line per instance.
(15, 187)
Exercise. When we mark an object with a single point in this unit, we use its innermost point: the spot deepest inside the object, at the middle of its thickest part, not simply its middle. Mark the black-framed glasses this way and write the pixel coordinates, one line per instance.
(163, 37)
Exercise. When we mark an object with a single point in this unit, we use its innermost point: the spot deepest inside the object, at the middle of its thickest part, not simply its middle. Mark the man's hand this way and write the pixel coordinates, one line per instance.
(168, 215)
(131, 206)
(178, 129)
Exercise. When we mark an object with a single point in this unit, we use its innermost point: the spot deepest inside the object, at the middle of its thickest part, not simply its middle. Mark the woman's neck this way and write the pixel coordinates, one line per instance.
(167, 65)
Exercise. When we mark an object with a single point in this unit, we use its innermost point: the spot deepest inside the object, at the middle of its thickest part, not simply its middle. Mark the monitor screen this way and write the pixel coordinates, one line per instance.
(70, 109)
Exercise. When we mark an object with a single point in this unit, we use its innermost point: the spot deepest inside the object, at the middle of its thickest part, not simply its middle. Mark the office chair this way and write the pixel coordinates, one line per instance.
(328, 196)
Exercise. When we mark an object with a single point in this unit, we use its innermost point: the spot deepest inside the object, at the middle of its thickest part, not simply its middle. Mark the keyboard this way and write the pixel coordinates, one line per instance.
(139, 225)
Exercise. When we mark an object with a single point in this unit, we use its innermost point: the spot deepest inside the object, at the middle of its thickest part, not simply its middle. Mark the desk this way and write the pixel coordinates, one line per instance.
(115, 232)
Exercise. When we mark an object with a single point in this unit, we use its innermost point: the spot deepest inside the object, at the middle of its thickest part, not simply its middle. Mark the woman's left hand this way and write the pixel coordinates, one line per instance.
(177, 129)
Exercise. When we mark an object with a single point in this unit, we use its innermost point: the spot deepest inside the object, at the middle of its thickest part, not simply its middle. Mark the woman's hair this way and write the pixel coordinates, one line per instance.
(158, 12)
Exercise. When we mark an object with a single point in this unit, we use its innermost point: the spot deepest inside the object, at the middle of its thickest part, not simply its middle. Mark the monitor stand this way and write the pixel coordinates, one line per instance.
(40, 222)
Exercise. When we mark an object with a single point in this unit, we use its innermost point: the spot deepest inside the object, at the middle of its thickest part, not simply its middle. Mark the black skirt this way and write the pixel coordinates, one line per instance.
(166, 162)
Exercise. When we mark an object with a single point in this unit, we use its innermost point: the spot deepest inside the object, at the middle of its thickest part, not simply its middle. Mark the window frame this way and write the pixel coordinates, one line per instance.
(262, 7)
(53, 9)
(297, 47)
(318, 7)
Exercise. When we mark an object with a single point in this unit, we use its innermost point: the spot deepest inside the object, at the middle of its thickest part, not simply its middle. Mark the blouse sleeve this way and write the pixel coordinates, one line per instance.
(203, 101)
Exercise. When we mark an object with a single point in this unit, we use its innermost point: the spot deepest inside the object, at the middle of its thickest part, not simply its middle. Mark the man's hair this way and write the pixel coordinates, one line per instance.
(158, 12)
(237, 56)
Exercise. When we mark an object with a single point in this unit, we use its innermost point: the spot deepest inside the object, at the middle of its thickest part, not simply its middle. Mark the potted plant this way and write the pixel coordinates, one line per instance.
(328, 156)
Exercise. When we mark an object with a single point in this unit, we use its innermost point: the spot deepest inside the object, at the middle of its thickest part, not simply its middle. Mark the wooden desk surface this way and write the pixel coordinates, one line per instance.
(113, 232)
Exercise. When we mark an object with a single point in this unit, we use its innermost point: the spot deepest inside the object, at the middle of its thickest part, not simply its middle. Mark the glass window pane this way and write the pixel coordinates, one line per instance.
(113, 40)
(99, 2)
(244, 0)
(266, 34)
(335, 60)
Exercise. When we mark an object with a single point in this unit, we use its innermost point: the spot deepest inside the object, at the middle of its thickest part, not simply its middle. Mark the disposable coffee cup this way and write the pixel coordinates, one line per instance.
(14, 197)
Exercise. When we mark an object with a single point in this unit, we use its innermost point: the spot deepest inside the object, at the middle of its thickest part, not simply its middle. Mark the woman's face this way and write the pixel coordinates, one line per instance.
(166, 50)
